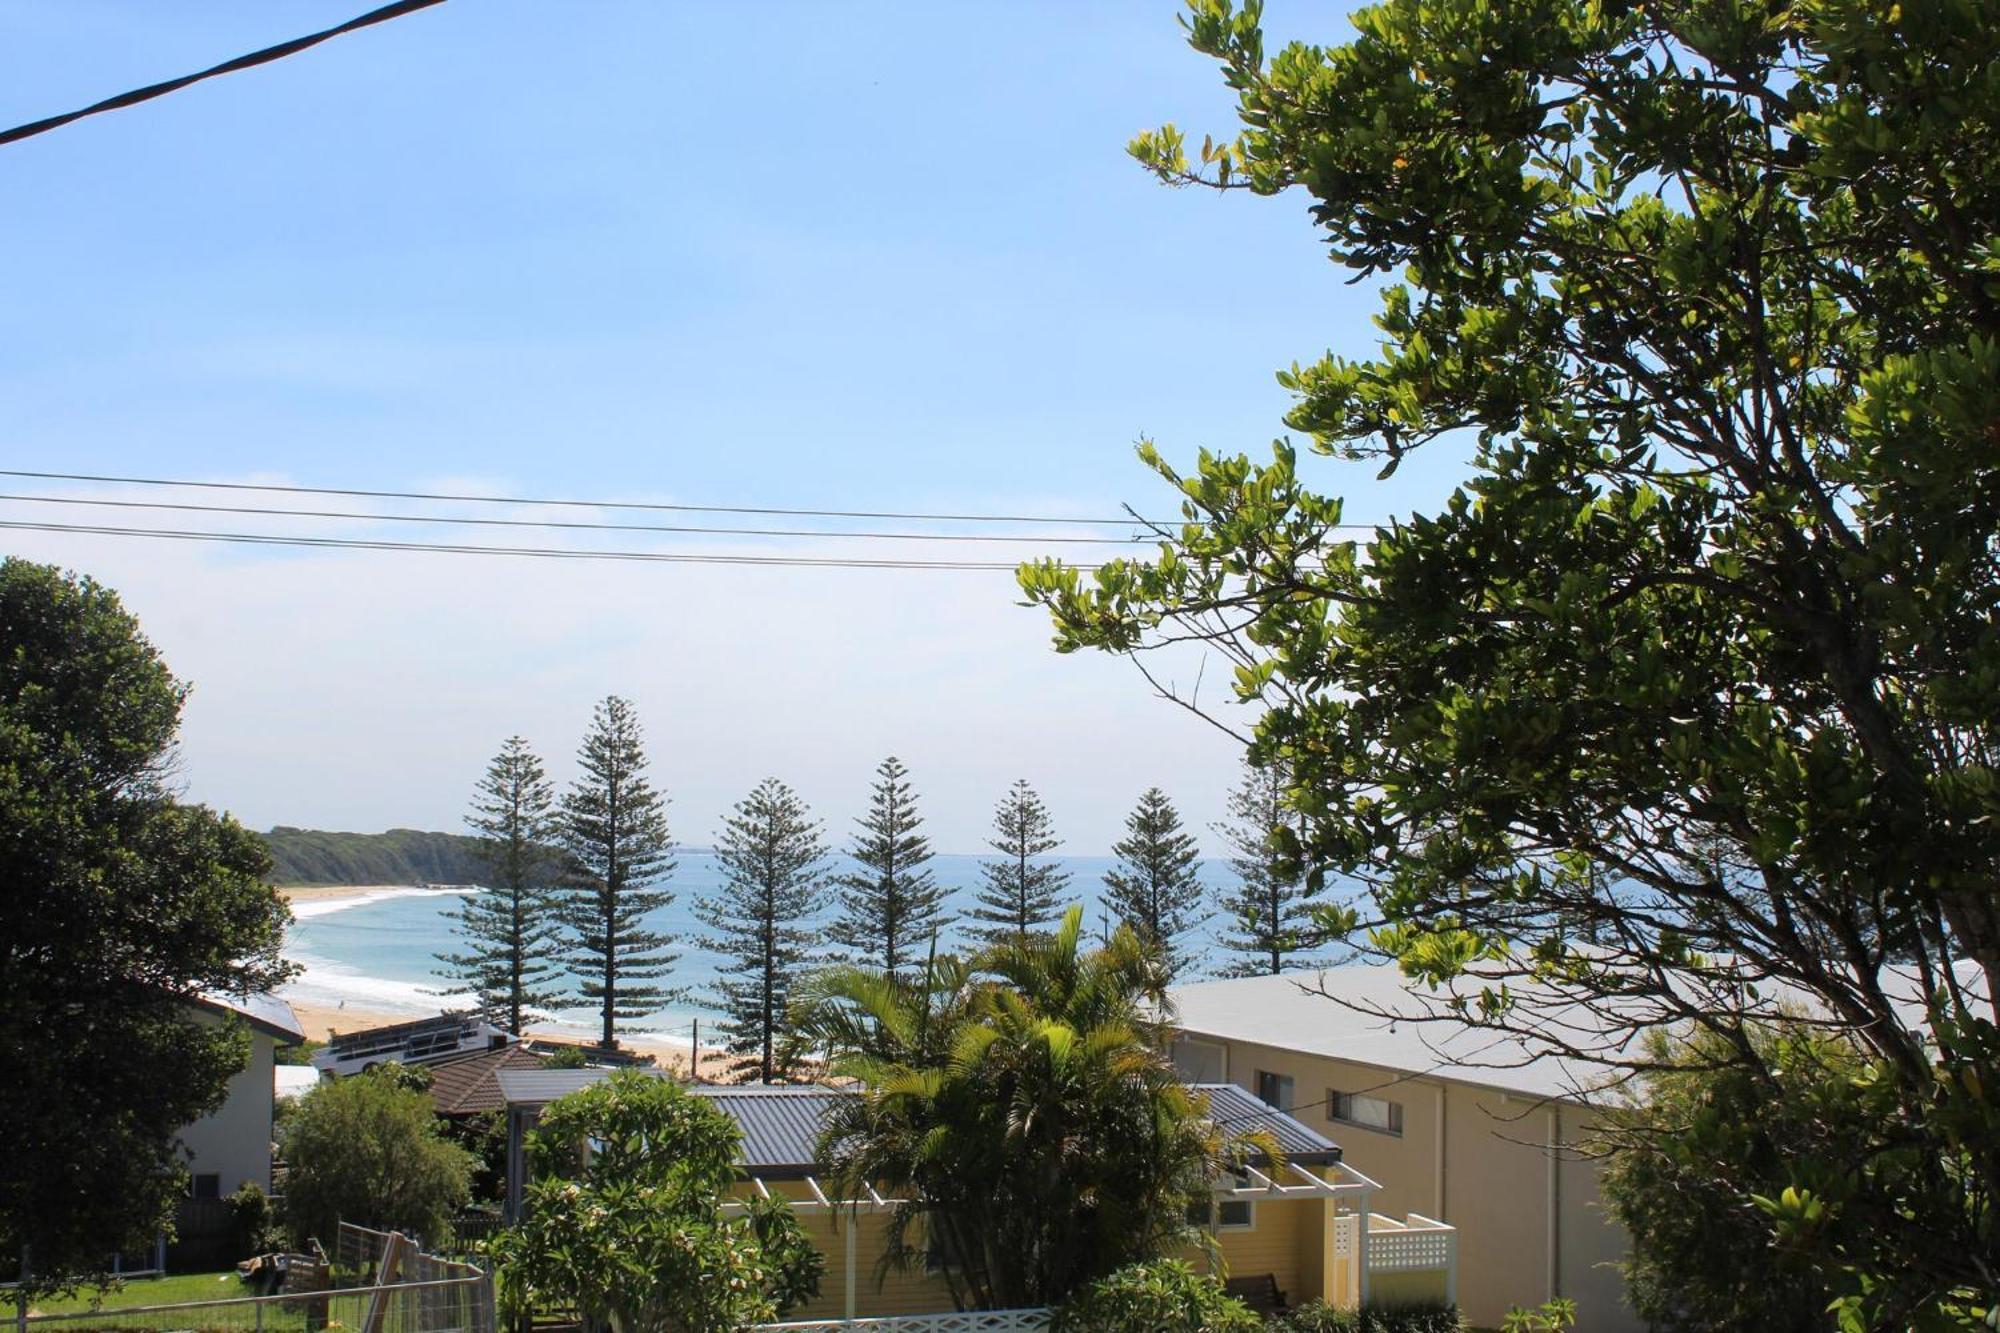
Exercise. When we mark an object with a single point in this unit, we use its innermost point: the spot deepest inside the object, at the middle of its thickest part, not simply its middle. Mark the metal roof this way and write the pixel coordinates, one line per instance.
(263, 1011)
(1422, 1040)
(1239, 1112)
(781, 1125)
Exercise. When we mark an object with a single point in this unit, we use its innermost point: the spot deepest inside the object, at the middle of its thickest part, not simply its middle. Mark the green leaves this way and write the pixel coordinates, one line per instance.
(625, 1219)
(1023, 1106)
(1681, 701)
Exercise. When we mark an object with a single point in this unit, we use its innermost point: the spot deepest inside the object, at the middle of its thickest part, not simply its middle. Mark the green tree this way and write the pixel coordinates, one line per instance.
(368, 1150)
(891, 908)
(773, 861)
(1699, 1138)
(1023, 890)
(120, 904)
(513, 942)
(1163, 1296)
(1698, 662)
(1271, 917)
(1022, 1107)
(1156, 886)
(614, 828)
(637, 1236)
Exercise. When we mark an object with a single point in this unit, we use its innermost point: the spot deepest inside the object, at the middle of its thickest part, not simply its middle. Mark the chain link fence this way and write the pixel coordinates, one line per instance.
(377, 1283)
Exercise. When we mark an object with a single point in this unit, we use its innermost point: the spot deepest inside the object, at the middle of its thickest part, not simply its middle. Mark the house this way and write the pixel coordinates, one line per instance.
(231, 1146)
(1307, 1228)
(469, 1084)
(422, 1042)
(1459, 1123)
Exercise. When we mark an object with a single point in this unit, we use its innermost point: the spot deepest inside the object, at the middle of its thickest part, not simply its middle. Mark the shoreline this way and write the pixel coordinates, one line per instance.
(329, 1012)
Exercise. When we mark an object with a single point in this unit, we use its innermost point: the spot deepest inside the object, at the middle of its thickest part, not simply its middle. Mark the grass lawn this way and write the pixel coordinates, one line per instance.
(150, 1291)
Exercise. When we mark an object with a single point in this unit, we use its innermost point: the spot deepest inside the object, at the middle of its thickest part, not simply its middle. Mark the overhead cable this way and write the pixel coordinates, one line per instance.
(184, 507)
(536, 552)
(275, 488)
(263, 57)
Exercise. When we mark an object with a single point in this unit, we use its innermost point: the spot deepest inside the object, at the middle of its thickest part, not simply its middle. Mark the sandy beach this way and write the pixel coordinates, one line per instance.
(322, 1016)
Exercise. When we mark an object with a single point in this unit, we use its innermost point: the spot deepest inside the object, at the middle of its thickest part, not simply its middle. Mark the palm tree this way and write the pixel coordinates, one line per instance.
(1022, 1106)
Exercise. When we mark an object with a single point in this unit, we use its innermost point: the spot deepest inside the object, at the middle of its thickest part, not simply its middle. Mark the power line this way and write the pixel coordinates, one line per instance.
(564, 503)
(184, 507)
(263, 57)
(661, 506)
(536, 552)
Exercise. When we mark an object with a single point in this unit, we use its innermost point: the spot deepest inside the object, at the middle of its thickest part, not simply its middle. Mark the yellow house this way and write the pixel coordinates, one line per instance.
(1458, 1122)
(1304, 1230)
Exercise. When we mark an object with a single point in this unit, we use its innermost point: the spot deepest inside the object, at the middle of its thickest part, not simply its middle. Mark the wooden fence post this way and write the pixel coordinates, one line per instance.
(392, 1264)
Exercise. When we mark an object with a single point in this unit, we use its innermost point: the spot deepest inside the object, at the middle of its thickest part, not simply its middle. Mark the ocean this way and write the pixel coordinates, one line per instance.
(378, 949)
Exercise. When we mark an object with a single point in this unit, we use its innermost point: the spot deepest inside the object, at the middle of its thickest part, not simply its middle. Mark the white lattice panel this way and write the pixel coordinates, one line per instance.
(1409, 1251)
(1344, 1227)
(969, 1321)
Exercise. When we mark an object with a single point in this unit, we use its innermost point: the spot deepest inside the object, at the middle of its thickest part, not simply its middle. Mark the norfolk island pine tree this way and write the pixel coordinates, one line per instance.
(891, 908)
(1271, 919)
(773, 860)
(1155, 887)
(512, 937)
(614, 829)
(1022, 894)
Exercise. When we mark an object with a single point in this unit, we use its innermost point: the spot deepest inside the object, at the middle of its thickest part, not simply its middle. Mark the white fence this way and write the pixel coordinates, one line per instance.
(1418, 1244)
(967, 1321)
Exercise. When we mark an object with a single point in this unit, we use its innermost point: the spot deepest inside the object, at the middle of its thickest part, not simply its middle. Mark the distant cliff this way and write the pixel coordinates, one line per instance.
(400, 856)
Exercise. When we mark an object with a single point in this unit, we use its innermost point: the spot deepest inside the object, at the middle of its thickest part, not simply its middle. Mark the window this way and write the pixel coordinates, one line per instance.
(1223, 1214)
(208, 1185)
(1357, 1108)
(1274, 1090)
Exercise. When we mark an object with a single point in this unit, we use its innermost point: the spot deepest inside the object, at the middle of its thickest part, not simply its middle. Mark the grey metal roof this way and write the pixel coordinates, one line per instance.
(781, 1125)
(1238, 1111)
(263, 1011)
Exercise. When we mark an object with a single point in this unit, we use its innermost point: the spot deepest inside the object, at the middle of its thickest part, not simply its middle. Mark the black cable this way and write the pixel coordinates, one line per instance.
(184, 507)
(540, 552)
(660, 507)
(263, 57)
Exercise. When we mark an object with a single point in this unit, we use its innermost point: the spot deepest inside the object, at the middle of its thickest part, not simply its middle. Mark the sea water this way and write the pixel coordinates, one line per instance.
(378, 950)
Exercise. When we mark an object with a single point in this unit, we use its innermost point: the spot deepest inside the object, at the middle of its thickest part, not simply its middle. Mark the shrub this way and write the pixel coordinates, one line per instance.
(367, 1149)
(1319, 1317)
(253, 1222)
(1164, 1296)
(634, 1233)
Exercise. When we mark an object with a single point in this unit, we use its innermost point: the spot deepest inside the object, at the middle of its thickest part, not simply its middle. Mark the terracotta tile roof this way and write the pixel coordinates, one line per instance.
(465, 1084)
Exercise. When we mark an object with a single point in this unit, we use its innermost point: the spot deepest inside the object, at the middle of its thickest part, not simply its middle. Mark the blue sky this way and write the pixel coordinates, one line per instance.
(772, 254)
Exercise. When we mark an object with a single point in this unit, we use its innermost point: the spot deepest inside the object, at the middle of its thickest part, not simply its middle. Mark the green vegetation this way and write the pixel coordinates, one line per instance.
(892, 908)
(773, 861)
(1271, 918)
(119, 900)
(508, 937)
(400, 856)
(1162, 1296)
(178, 1289)
(637, 1236)
(1319, 1317)
(1023, 1108)
(368, 1149)
(614, 829)
(1684, 697)
(1700, 1136)
(1156, 886)
(1023, 891)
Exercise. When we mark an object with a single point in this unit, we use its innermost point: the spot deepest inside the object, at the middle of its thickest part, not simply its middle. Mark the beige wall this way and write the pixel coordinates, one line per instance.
(1287, 1238)
(235, 1142)
(1471, 1156)
(893, 1293)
